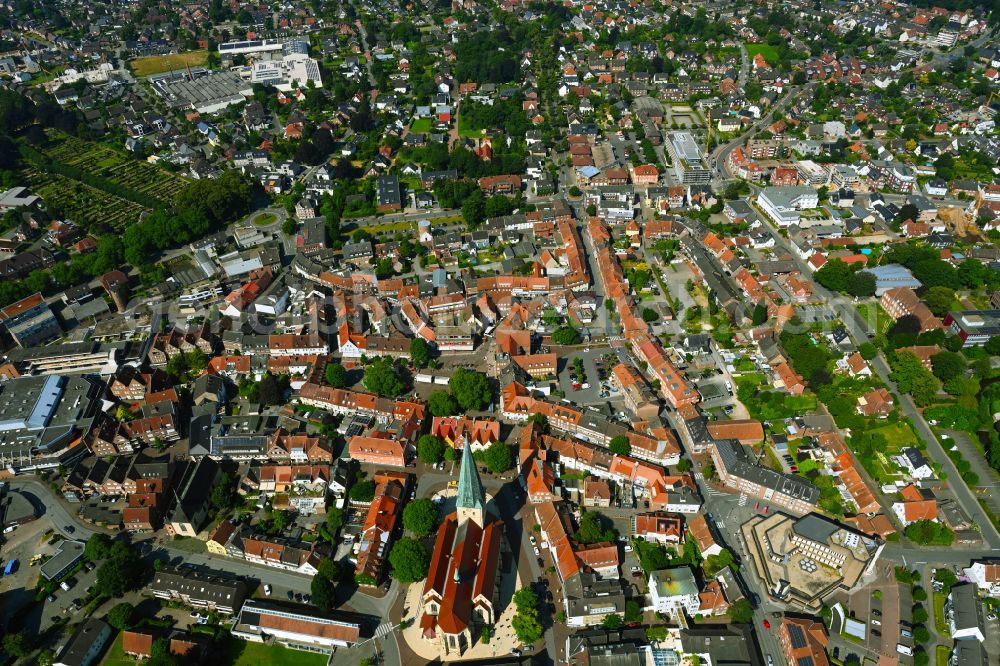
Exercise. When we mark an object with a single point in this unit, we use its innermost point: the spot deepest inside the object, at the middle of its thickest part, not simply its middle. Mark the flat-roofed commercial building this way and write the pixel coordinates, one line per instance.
(688, 164)
(296, 627)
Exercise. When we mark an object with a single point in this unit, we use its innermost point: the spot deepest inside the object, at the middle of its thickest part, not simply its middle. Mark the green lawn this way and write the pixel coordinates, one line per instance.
(258, 654)
(875, 315)
(166, 63)
(943, 654)
(465, 130)
(115, 656)
(940, 624)
(421, 126)
(769, 52)
(898, 436)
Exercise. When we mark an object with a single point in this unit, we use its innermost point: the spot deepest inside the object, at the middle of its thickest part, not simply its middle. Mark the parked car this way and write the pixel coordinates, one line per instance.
(267, 589)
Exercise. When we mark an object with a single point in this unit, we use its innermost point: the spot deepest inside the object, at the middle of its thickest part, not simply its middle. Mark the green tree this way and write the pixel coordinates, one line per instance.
(324, 593)
(120, 617)
(334, 519)
(992, 346)
(498, 458)
(716, 563)
(329, 569)
(471, 389)
(566, 335)
(224, 493)
(912, 377)
(861, 284)
(120, 572)
(649, 315)
(382, 378)
(939, 299)
(633, 612)
(442, 403)
(362, 491)
(683, 466)
(867, 350)
(592, 529)
(929, 533)
(612, 621)
(947, 365)
(420, 516)
(759, 313)
(410, 560)
(336, 375)
(430, 449)
(98, 547)
(620, 445)
(526, 623)
(420, 352)
(540, 420)
(921, 634)
(833, 275)
(740, 611)
(474, 209)
(16, 645)
(920, 614)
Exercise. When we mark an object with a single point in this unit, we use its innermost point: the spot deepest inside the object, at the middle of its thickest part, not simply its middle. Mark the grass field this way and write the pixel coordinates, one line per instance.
(876, 316)
(167, 63)
(940, 622)
(898, 436)
(465, 130)
(943, 654)
(236, 653)
(242, 653)
(421, 126)
(769, 52)
(116, 656)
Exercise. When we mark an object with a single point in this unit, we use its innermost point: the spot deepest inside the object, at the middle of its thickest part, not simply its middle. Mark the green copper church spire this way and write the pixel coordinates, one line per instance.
(471, 499)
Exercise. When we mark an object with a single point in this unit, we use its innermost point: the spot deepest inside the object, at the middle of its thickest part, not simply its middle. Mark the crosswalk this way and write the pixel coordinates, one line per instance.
(744, 499)
(709, 490)
(384, 629)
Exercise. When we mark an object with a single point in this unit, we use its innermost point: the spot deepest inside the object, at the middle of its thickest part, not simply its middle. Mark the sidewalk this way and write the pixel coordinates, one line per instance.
(502, 640)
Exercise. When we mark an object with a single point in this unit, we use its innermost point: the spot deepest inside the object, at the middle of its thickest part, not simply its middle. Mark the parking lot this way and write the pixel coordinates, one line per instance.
(589, 388)
(23, 544)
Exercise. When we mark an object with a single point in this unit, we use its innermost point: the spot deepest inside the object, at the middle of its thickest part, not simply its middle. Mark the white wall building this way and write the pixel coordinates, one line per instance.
(784, 204)
(674, 590)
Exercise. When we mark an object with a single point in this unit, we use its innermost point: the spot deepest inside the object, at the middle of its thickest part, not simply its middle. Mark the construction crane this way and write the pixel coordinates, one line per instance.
(985, 110)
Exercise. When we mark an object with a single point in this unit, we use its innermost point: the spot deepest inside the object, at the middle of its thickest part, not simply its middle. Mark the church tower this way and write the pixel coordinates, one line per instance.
(471, 500)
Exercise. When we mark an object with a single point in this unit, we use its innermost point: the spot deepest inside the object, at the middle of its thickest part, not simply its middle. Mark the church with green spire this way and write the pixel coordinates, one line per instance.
(470, 502)
(463, 580)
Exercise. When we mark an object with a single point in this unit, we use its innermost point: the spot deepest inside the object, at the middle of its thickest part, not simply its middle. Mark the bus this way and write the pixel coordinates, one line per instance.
(10, 568)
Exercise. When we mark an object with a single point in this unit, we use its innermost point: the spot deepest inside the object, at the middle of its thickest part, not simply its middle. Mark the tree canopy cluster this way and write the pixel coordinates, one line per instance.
(526, 623)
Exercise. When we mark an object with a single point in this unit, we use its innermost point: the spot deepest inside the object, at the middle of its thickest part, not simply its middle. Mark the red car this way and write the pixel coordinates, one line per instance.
(767, 625)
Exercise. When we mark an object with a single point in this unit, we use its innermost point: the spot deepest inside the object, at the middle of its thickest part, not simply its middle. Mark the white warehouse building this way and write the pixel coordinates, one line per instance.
(784, 204)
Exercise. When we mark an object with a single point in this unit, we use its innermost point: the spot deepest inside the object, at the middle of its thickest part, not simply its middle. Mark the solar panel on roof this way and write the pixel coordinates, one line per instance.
(797, 635)
(805, 661)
